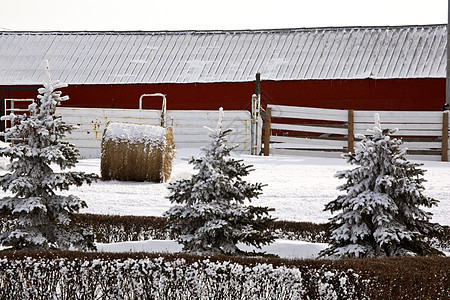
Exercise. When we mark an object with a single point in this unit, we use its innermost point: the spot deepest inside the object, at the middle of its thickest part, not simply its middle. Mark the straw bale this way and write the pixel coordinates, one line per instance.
(135, 152)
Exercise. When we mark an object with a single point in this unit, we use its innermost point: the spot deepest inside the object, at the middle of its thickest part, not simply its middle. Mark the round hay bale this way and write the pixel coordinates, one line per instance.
(134, 152)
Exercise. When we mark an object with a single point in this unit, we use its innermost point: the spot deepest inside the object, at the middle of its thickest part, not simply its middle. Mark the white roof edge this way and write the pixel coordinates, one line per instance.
(214, 31)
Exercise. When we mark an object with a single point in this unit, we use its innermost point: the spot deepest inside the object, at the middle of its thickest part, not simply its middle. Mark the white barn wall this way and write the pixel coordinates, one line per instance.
(188, 126)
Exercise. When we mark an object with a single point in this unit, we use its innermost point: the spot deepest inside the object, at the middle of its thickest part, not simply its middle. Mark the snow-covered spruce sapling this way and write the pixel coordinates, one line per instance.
(211, 215)
(44, 220)
(380, 213)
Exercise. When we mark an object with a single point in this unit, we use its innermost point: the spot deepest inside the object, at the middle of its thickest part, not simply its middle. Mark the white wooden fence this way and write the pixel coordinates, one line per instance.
(188, 126)
(329, 132)
(308, 131)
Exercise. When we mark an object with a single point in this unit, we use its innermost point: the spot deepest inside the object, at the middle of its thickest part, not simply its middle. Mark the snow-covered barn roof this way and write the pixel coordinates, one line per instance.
(224, 56)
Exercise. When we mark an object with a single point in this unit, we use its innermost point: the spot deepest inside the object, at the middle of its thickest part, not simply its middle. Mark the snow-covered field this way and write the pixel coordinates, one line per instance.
(282, 248)
(297, 187)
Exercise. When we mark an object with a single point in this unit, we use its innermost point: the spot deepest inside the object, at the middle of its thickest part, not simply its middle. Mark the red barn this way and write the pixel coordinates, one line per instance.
(377, 68)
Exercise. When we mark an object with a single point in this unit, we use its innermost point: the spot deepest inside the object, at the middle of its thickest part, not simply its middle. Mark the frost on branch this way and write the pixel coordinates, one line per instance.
(44, 219)
(380, 214)
(210, 215)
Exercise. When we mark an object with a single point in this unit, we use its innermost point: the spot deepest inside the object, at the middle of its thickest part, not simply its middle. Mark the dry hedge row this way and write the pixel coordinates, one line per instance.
(96, 276)
(114, 229)
(81, 275)
(111, 229)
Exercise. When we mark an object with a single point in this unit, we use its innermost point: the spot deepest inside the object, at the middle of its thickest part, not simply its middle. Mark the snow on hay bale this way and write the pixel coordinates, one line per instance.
(132, 152)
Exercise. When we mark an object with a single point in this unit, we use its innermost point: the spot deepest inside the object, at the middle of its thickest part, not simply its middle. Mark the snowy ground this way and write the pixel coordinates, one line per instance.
(297, 187)
(282, 248)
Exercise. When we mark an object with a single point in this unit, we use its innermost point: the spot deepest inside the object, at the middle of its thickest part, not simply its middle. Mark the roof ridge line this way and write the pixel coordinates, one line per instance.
(211, 31)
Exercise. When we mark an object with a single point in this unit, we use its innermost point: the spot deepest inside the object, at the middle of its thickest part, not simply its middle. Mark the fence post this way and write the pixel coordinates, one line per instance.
(267, 131)
(444, 148)
(255, 133)
(350, 134)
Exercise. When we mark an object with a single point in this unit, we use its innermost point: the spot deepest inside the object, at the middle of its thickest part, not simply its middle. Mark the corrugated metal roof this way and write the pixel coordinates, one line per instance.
(223, 56)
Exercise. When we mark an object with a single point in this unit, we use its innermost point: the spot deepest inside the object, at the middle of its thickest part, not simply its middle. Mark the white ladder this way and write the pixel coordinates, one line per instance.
(12, 109)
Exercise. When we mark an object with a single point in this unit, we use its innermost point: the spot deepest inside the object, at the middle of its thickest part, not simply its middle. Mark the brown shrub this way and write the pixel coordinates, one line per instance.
(376, 278)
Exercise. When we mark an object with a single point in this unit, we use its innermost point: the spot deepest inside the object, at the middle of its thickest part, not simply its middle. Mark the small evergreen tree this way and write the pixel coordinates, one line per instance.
(380, 214)
(44, 220)
(212, 217)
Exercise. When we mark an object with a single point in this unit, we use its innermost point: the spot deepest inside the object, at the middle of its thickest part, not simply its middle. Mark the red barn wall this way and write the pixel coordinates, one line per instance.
(364, 94)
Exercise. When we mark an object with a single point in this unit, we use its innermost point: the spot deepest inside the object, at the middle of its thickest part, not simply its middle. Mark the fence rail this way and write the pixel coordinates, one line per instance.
(188, 126)
(330, 132)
